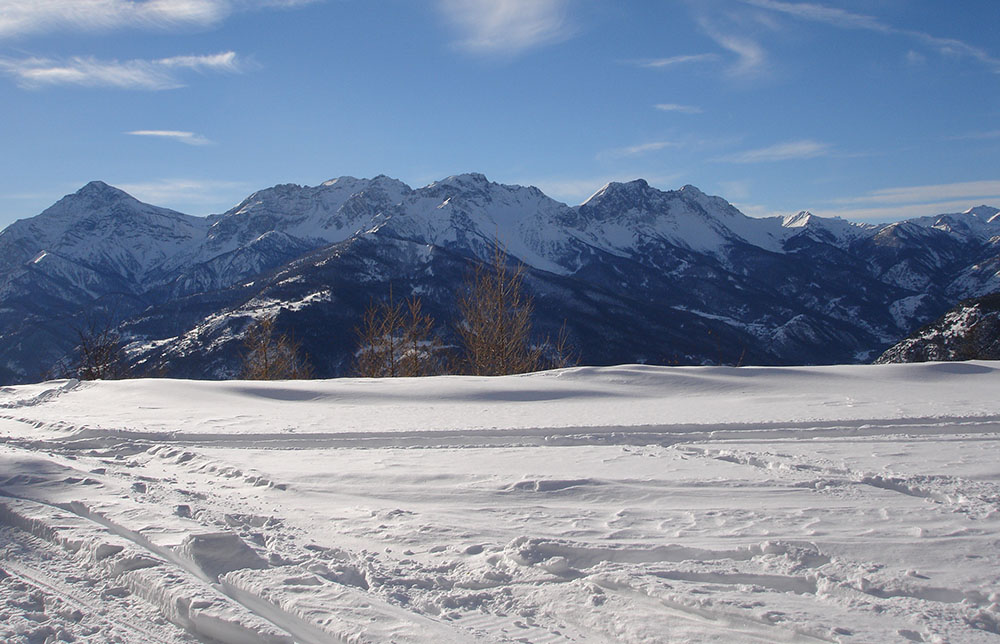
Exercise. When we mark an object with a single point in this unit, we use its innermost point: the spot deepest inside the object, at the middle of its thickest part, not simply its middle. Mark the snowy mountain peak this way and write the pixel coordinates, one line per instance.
(104, 229)
(470, 181)
(95, 195)
(622, 217)
(344, 180)
(474, 178)
(638, 195)
(798, 220)
(388, 189)
(691, 191)
(354, 185)
(96, 187)
(979, 223)
(984, 212)
(615, 195)
(99, 202)
(679, 250)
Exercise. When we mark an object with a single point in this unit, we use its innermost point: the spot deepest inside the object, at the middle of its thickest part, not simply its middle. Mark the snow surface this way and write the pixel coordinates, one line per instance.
(618, 504)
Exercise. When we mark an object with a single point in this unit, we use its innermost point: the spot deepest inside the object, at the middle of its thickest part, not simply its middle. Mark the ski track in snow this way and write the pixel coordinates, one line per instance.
(528, 526)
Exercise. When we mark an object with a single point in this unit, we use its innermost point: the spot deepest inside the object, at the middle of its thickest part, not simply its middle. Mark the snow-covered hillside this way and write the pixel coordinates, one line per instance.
(103, 229)
(969, 331)
(625, 504)
(637, 274)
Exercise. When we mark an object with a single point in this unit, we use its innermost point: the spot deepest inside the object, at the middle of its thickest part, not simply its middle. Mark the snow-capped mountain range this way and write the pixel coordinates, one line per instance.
(637, 273)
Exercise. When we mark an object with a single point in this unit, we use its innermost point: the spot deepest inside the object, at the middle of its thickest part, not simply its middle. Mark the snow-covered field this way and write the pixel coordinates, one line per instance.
(620, 504)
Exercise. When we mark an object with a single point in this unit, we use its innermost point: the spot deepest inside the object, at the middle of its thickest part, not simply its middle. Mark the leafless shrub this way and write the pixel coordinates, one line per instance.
(100, 353)
(494, 326)
(396, 339)
(271, 356)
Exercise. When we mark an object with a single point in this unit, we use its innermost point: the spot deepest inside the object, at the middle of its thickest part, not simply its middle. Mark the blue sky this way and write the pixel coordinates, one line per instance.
(876, 109)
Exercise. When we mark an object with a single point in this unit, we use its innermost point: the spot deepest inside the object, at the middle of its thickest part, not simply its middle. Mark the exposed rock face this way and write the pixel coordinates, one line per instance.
(638, 274)
(970, 331)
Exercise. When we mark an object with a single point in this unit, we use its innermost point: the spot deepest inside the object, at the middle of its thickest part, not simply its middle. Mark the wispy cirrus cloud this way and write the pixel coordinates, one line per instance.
(507, 27)
(682, 109)
(22, 17)
(751, 58)
(819, 13)
(898, 212)
(739, 189)
(890, 204)
(222, 62)
(932, 192)
(85, 71)
(673, 61)
(200, 196)
(848, 20)
(188, 138)
(801, 149)
(641, 148)
(976, 136)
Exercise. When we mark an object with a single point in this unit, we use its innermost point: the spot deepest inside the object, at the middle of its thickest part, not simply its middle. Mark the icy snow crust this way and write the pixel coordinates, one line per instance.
(626, 504)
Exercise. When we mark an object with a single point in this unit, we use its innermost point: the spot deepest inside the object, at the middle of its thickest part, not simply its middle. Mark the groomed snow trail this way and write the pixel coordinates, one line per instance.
(626, 504)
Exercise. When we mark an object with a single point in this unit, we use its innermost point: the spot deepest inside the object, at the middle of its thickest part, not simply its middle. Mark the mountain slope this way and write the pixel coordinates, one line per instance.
(969, 331)
(105, 230)
(638, 274)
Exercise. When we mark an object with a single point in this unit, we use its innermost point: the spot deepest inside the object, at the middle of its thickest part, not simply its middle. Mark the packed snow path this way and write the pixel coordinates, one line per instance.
(624, 504)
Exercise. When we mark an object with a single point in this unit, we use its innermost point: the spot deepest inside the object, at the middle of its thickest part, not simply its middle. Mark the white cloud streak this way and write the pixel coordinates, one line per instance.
(904, 211)
(222, 62)
(735, 189)
(935, 192)
(507, 27)
(819, 13)
(751, 59)
(672, 61)
(22, 17)
(189, 138)
(674, 107)
(83, 71)
(891, 204)
(976, 136)
(642, 148)
(848, 20)
(802, 149)
(199, 195)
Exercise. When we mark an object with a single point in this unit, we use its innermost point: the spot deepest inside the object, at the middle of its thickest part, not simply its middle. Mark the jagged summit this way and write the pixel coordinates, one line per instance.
(692, 191)
(470, 182)
(798, 220)
(635, 194)
(346, 179)
(96, 187)
(467, 178)
(639, 194)
(97, 202)
(983, 212)
(969, 331)
(95, 194)
(643, 274)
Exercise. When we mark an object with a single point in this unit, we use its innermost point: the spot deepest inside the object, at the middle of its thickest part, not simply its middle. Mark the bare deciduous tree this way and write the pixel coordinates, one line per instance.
(495, 325)
(495, 320)
(561, 353)
(396, 339)
(271, 356)
(100, 354)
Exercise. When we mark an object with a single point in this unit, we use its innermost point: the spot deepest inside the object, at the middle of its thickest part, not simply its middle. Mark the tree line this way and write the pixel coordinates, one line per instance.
(395, 338)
